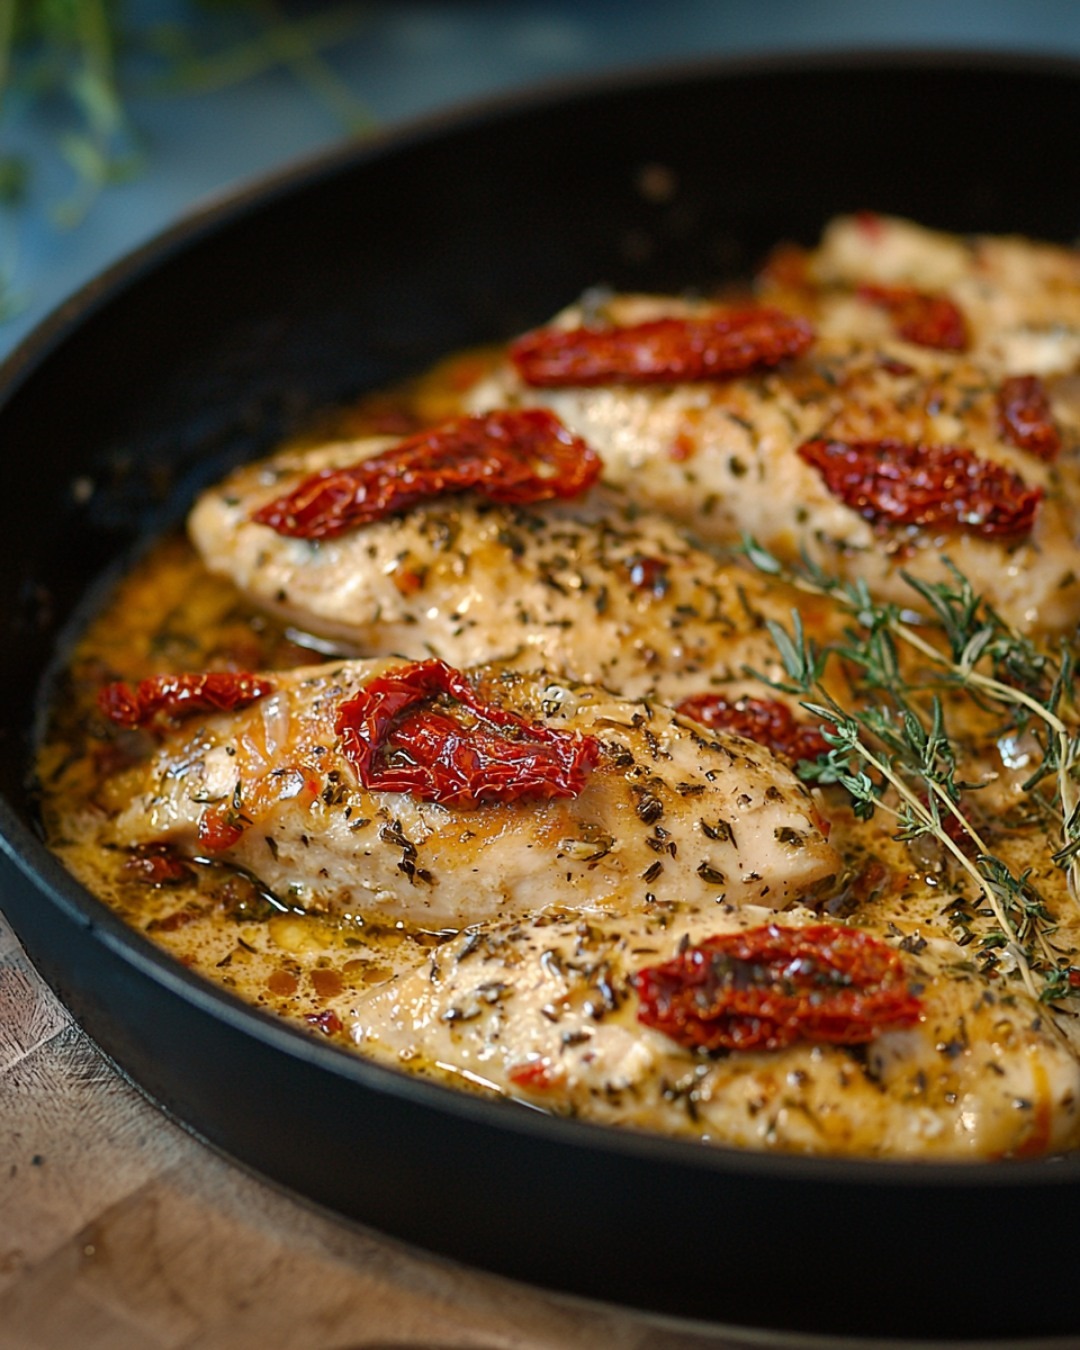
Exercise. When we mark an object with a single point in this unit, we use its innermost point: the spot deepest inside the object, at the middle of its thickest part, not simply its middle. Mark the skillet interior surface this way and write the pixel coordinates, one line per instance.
(349, 274)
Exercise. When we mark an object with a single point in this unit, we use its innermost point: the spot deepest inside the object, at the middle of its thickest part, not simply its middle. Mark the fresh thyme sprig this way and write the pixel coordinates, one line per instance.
(982, 655)
(1034, 683)
(275, 39)
(882, 745)
(911, 753)
(85, 63)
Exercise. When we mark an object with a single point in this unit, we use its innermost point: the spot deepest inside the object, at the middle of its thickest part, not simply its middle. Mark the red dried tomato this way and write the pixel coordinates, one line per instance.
(958, 830)
(172, 923)
(511, 456)
(174, 696)
(327, 1021)
(651, 575)
(927, 320)
(870, 225)
(766, 987)
(941, 486)
(892, 366)
(1025, 417)
(221, 825)
(157, 869)
(537, 1075)
(720, 346)
(764, 720)
(398, 741)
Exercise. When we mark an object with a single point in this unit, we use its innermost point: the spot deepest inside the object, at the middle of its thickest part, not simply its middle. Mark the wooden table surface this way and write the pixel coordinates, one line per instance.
(120, 1231)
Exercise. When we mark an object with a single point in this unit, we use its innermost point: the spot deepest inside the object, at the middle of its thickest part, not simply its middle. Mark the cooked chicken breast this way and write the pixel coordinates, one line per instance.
(666, 811)
(1020, 298)
(548, 1014)
(722, 457)
(592, 588)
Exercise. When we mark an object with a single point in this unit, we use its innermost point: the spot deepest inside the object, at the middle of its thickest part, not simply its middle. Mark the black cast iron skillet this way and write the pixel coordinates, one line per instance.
(214, 341)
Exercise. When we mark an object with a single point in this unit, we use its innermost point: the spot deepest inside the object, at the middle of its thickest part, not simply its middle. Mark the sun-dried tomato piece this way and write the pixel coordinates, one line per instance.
(651, 575)
(172, 923)
(157, 868)
(764, 720)
(222, 823)
(717, 347)
(423, 729)
(871, 880)
(327, 1021)
(537, 1075)
(513, 456)
(919, 317)
(1025, 417)
(870, 225)
(891, 365)
(957, 829)
(766, 987)
(939, 486)
(175, 696)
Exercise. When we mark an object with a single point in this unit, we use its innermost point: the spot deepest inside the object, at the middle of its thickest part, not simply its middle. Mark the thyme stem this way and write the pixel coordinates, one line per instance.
(878, 746)
(849, 737)
(974, 628)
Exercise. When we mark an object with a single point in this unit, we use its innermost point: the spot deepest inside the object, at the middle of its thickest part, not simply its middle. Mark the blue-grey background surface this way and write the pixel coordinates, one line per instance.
(409, 58)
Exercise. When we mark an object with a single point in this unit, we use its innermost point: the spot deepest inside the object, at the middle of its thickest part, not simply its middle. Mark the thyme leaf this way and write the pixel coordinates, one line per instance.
(892, 750)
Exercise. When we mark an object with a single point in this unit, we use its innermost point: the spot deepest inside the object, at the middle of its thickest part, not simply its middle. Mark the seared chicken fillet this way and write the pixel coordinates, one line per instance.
(548, 1014)
(667, 811)
(1020, 298)
(592, 588)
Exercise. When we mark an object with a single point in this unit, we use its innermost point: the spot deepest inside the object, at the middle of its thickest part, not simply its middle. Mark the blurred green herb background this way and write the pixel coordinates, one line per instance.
(78, 67)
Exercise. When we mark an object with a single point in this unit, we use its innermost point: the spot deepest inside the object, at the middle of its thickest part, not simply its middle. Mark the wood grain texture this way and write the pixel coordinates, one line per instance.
(119, 1231)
